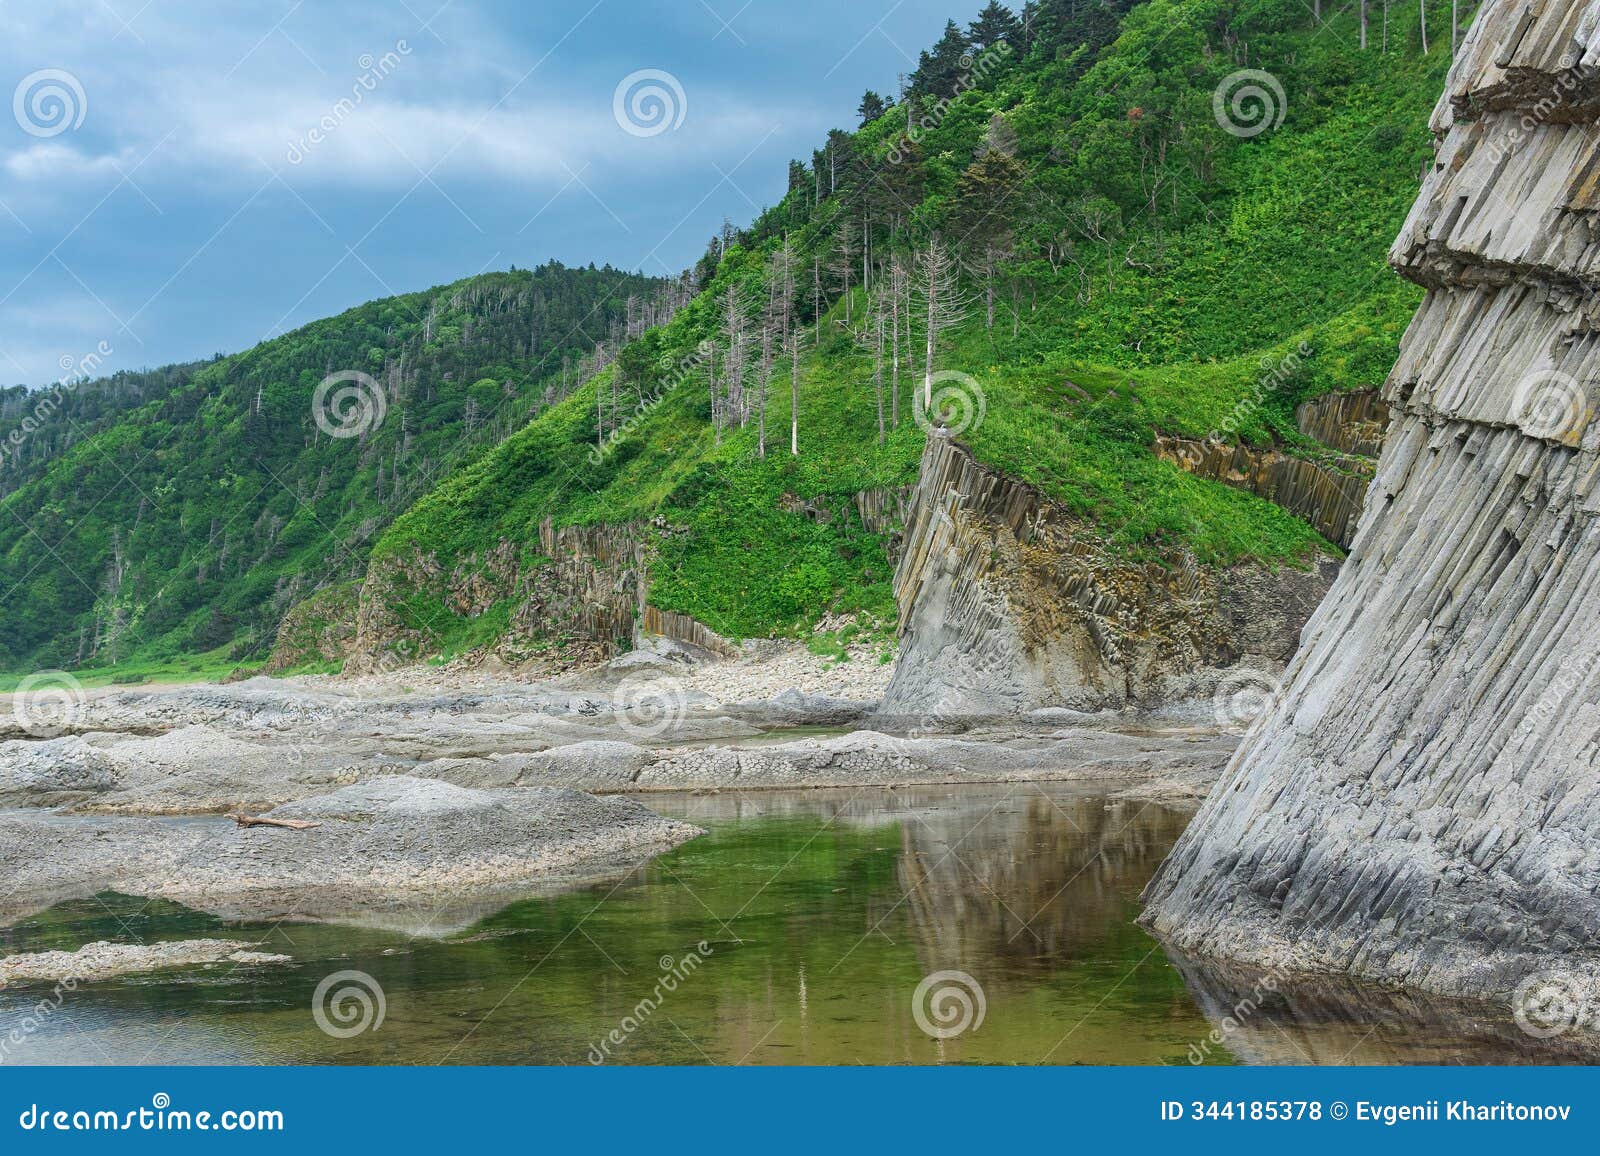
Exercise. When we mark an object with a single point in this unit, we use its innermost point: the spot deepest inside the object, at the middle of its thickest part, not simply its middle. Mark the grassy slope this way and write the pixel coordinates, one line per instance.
(1283, 250)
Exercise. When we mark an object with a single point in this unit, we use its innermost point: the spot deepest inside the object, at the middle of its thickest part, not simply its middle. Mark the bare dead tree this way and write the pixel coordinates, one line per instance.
(878, 321)
(716, 402)
(872, 336)
(842, 263)
(784, 258)
(899, 294)
(735, 330)
(774, 326)
(939, 295)
(816, 292)
(794, 390)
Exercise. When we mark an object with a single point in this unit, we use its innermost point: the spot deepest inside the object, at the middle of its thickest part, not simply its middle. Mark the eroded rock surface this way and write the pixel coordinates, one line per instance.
(1423, 807)
(1008, 604)
(396, 841)
(103, 960)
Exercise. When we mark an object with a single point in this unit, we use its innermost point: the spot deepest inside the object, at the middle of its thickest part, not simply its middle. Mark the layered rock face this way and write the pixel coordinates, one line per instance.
(1009, 604)
(1327, 491)
(1326, 494)
(1423, 805)
(587, 588)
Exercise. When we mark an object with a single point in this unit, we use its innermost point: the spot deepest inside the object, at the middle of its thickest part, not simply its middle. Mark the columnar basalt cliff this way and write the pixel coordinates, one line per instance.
(1009, 604)
(582, 597)
(1328, 490)
(1328, 493)
(585, 588)
(1422, 807)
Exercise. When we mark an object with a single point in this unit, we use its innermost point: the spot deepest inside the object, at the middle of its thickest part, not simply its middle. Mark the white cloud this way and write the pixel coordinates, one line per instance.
(54, 161)
(210, 104)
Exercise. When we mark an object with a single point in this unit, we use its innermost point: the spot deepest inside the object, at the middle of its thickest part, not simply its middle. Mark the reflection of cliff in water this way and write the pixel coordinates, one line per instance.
(1019, 871)
(1266, 1019)
(1030, 875)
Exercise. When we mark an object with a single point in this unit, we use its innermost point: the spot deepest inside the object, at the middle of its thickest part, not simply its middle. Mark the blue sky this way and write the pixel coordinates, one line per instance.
(161, 190)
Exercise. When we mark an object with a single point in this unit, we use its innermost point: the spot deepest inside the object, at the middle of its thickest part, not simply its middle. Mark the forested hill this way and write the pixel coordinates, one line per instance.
(1093, 221)
(184, 510)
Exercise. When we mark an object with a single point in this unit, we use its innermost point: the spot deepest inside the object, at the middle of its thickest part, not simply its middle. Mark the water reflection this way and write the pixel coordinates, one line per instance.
(820, 912)
(1262, 1018)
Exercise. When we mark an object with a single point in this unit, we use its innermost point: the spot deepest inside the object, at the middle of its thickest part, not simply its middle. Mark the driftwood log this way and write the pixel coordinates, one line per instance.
(244, 820)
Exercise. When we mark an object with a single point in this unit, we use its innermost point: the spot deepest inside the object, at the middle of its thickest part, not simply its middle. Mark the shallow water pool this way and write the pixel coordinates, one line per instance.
(928, 925)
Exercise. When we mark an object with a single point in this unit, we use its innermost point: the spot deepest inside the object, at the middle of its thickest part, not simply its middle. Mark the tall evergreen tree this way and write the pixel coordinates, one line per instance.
(939, 70)
(994, 24)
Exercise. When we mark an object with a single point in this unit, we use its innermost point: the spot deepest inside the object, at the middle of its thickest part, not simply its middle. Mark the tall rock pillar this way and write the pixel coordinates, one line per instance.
(1423, 805)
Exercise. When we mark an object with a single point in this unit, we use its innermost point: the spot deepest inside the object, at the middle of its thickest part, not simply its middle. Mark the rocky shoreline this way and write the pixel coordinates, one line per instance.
(418, 793)
(101, 960)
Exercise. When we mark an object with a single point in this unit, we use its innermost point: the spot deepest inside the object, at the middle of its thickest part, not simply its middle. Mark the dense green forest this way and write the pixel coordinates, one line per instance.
(184, 511)
(1081, 224)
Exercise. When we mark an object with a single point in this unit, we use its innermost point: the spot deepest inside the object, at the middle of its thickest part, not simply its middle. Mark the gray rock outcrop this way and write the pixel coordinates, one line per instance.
(1008, 604)
(1422, 807)
(394, 842)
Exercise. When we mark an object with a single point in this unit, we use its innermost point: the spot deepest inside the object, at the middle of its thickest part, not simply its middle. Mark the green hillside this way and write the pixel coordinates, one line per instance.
(189, 520)
(1120, 262)
(1151, 272)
